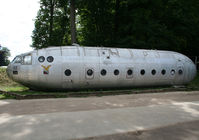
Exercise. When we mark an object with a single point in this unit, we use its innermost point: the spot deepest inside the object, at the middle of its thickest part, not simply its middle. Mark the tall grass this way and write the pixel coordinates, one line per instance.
(4, 79)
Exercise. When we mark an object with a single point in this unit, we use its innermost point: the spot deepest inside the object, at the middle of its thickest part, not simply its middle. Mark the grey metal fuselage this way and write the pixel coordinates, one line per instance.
(121, 68)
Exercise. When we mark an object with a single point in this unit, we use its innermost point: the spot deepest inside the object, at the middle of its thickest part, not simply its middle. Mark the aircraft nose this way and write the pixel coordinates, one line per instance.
(9, 71)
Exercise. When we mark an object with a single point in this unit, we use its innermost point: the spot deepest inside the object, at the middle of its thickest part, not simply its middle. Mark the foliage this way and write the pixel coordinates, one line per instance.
(4, 54)
(96, 22)
(51, 24)
(149, 24)
(157, 24)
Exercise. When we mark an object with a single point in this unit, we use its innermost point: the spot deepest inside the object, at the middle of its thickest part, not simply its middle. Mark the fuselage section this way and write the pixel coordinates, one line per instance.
(75, 67)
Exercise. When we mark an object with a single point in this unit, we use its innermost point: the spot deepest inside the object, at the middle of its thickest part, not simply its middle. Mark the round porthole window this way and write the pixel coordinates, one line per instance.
(116, 72)
(180, 72)
(50, 59)
(41, 59)
(163, 72)
(68, 72)
(142, 72)
(103, 72)
(129, 72)
(153, 72)
(172, 72)
(89, 72)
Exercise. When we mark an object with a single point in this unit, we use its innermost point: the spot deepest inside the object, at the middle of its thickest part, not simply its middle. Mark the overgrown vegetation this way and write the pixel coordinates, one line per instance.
(4, 80)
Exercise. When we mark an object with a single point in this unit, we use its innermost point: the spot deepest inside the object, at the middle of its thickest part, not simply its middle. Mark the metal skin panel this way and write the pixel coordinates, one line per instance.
(70, 60)
(51, 75)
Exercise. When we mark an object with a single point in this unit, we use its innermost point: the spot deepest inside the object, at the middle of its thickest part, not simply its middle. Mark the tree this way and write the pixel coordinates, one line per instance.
(51, 24)
(72, 21)
(4, 54)
(148, 24)
(157, 24)
(96, 22)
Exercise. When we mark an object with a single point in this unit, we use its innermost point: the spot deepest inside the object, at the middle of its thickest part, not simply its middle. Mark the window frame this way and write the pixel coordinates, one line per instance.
(23, 57)
(15, 61)
(180, 72)
(163, 72)
(42, 57)
(142, 72)
(129, 72)
(172, 72)
(90, 74)
(153, 72)
(49, 57)
(103, 74)
(116, 72)
(68, 74)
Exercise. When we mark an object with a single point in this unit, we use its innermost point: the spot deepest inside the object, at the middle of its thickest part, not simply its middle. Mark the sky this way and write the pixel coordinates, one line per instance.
(16, 24)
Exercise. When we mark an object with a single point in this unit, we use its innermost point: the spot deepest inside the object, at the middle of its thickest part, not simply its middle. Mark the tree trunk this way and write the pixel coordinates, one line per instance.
(63, 25)
(72, 21)
(52, 4)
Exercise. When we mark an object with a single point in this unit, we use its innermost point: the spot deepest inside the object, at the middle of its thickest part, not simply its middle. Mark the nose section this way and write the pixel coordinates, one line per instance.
(9, 71)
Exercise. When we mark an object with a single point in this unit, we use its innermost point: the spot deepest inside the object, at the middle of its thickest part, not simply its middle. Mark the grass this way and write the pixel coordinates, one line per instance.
(8, 85)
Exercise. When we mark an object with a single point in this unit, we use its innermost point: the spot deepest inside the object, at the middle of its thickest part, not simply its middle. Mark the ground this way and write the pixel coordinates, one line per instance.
(180, 131)
(172, 115)
(41, 106)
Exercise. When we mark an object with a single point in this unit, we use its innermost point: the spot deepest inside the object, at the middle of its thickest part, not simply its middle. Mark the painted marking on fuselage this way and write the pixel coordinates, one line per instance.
(46, 69)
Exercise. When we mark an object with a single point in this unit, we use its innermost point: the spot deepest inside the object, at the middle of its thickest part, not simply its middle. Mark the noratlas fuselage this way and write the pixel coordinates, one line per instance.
(76, 67)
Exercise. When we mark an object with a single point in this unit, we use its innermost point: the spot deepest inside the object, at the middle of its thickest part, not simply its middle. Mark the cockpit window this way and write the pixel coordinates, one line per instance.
(27, 59)
(14, 60)
(17, 59)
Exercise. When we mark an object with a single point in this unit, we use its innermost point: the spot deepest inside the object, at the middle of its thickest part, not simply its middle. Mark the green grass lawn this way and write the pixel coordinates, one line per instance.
(7, 84)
